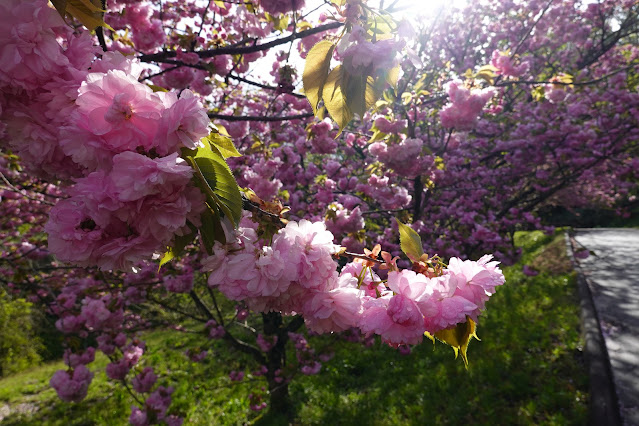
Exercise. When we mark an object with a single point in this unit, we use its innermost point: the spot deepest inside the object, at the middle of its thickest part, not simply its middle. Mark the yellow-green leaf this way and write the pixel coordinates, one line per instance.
(458, 337)
(88, 12)
(355, 92)
(157, 88)
(223, 144)
(280, 22)
(334, 98)
(168, 256)
(377, 136)
(318, 62)
(564, 78)
(537, 93)
(374, 91)
(393, 76)
(488, 73)
(381, 25)
(180, 242)
(410, 241)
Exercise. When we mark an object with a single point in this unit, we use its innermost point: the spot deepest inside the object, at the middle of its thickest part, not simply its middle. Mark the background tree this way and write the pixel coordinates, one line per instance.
(499, 115)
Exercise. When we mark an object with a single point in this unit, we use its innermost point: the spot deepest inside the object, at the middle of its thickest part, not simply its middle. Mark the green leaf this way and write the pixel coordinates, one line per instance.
(335, 99)
(88, 12)
(211, 229)
(218, 183)
(410, 242)
(318, 62)
(180, 242)
(223, 144)
(458, 337)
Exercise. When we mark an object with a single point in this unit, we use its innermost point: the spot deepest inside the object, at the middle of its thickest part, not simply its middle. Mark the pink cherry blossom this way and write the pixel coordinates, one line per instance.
(72, 386)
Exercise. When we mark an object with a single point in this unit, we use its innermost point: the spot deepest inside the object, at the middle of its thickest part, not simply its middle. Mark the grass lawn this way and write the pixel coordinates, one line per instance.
(528, 369)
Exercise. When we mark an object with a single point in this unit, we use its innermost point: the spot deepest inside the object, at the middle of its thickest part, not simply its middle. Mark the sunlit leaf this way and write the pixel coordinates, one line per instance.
(381, 25)
(563, 78)
(223, 144)
(181, 241)
(157, 88)
(169, 255)
(538, 93)
(374, 91)
(355, 92)
(334, 98)
(392, 76)
(458, 337)
(88, 12)
(410, 241)
(280, 22)
(377, 136)
(220, 129)
(316, 67)
(487, 73)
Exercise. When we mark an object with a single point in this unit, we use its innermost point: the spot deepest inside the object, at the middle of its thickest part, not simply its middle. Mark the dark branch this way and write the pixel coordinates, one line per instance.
(260, 85)
(162, 56)
(259, 118)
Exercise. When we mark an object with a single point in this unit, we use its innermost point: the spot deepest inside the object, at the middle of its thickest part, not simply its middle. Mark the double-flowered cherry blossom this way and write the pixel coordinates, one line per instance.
(297, 273)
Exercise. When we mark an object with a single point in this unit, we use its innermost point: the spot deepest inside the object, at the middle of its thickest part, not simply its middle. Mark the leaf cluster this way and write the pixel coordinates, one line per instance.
(216, 181)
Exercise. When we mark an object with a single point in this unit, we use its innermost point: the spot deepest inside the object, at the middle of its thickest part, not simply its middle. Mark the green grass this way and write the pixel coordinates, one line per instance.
(528, 369)
(203, 392)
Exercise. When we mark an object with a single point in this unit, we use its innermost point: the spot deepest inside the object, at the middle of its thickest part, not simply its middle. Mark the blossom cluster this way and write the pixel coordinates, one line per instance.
(403, 157)
(117, 138)
(462, 112)
(505, 65)
(155, 409)
(297, 274)
(72, 386)
(275, 7)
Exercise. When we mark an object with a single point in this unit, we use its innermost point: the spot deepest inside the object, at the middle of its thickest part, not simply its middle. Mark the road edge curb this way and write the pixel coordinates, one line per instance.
(603, 403)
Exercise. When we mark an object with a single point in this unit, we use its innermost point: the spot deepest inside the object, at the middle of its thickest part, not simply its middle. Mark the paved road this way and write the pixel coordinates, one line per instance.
(612, 274)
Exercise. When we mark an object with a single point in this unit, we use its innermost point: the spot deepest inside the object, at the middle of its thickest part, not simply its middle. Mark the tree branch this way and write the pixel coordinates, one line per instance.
(262, 86)
(163, 56)
(259, 118)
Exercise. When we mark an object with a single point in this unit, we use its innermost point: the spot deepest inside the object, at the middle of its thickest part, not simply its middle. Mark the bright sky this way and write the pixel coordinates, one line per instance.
(408, 9)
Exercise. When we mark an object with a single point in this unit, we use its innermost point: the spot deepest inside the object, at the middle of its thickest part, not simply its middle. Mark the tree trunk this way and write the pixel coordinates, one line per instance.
(280, 401)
